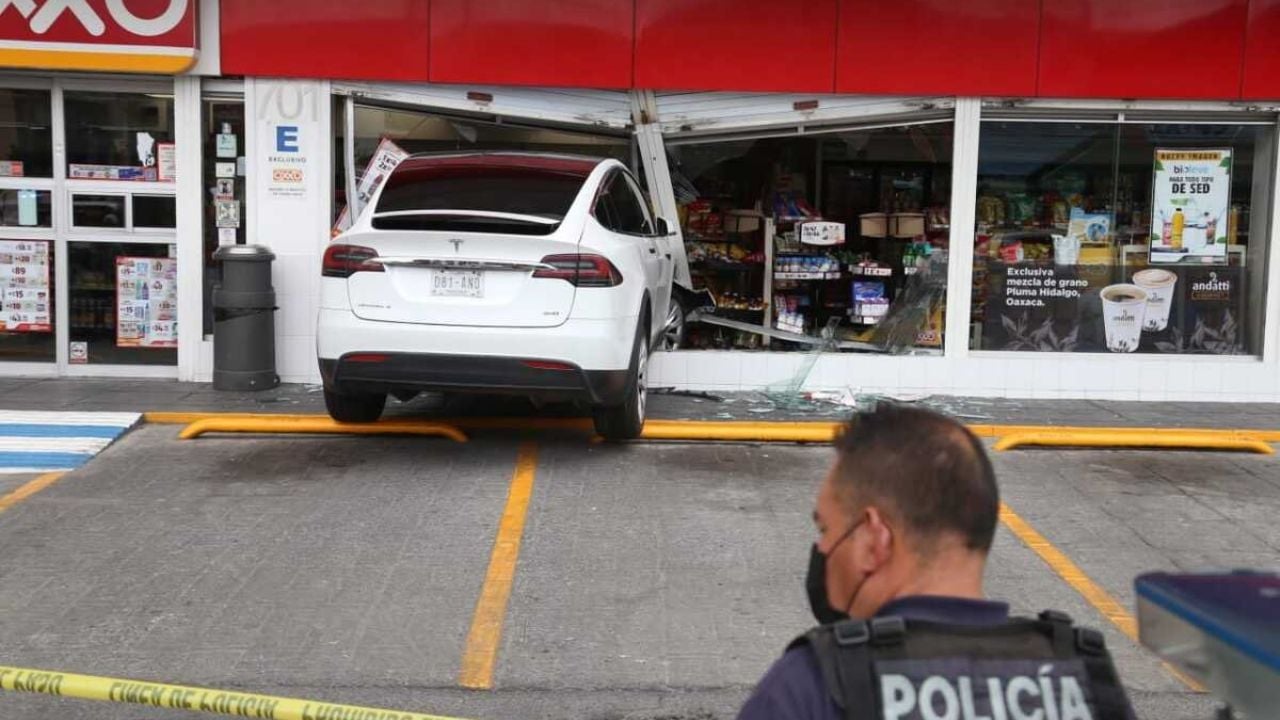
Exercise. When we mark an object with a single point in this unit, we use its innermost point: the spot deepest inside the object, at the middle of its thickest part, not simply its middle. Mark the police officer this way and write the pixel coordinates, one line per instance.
(905, 519)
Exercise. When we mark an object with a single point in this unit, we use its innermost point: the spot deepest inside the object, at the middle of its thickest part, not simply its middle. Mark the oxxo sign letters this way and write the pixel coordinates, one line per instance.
(152, 36)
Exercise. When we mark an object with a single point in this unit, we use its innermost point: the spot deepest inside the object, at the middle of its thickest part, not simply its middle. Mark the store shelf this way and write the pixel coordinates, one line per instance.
(722, 266)
(807, 276)
(735, 238)
(736, 314)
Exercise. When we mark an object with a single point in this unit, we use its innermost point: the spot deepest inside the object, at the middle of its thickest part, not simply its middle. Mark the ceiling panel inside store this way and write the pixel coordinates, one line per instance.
(898, 146)
(1006, 149)
(423, 132)
(916, 143)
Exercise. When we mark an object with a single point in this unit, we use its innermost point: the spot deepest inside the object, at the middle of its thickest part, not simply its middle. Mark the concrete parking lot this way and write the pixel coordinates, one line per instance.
(653, 580)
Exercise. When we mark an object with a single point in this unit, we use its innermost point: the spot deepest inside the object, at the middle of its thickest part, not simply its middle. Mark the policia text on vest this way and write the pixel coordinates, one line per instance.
(960, 689)
(890, 668)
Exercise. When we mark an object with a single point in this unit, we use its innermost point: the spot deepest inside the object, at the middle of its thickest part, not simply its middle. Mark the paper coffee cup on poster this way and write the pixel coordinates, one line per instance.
(1124, 309)
(1159, 285)
(1066, 250)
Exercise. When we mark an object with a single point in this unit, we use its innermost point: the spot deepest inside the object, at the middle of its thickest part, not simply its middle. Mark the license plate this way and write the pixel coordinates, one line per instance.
(458, 283)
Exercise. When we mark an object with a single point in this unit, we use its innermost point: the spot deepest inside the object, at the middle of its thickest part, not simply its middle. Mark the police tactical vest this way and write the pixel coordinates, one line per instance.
(889, 668)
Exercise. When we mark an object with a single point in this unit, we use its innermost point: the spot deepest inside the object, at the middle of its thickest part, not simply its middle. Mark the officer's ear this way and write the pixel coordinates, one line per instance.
(882, 542)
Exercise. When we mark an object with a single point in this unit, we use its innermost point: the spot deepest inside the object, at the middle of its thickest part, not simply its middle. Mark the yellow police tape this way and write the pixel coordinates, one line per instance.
(196, 699)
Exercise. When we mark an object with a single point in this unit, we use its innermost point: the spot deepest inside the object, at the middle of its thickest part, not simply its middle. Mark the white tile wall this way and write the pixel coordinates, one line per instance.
(667, 369)
(1021, 375)
(296, 359)
(1153, 380)
(874, 373)
(1046, 377)
(297, 314)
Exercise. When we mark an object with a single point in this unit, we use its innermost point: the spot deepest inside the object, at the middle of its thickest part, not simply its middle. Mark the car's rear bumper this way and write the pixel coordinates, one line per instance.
(478, 359)
(392, 372)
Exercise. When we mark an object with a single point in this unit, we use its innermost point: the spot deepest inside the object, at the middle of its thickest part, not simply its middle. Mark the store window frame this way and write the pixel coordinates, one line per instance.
(1138, 112)
(939, 113)
(61, 234)
(130, 227)
(48, 233)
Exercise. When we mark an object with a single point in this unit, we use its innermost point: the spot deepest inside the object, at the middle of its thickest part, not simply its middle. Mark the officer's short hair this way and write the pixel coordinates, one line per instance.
(929, 470)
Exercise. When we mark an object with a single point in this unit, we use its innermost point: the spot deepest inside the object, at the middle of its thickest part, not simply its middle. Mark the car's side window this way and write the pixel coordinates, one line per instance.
(628, 215)
(604, 211)
(638, 197)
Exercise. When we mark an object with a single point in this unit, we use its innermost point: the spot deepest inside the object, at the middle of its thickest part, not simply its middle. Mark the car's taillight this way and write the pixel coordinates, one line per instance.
(580, 270)
(342, 261)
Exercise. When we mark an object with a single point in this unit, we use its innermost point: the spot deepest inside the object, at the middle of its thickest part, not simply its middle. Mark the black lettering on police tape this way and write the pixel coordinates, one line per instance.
(138, 693)
(340, 712)
(238, 704)
(181, 699)
(42, 683)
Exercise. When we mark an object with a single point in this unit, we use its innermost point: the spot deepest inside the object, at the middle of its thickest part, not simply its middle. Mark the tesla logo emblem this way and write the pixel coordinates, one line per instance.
(43, 17)
(457, 245)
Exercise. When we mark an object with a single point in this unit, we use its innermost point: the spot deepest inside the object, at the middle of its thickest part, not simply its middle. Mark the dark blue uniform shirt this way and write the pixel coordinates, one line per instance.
(793, 688)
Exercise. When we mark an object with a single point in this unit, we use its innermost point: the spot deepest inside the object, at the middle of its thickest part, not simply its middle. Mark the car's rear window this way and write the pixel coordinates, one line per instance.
(541, 188)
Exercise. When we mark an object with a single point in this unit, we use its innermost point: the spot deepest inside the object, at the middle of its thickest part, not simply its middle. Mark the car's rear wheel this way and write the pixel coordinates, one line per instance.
(626, 421)
(359, 408)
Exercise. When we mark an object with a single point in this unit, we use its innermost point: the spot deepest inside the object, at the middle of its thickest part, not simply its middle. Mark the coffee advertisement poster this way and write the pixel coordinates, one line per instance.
(1044, 307)
(1035, 307)
(1191, 197)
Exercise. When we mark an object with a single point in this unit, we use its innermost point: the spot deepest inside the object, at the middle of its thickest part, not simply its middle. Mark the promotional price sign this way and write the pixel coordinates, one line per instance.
(1191, 198)
(384, 160)
(24, 286)
(146, 302)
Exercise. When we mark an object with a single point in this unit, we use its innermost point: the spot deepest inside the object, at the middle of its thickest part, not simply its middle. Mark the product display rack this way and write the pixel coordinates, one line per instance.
(733, 282)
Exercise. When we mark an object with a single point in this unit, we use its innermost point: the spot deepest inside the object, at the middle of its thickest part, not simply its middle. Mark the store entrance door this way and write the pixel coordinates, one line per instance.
(115, 197)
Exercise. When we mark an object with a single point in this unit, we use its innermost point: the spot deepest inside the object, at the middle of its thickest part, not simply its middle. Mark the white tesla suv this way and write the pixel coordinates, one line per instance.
(515, 273)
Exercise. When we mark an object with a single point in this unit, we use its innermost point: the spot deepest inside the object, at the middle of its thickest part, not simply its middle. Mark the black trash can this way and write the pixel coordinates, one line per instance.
(244, 305)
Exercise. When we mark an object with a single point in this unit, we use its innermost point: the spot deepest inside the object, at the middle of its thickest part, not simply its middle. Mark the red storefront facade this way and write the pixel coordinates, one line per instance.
(979, 129)
(1122, 49)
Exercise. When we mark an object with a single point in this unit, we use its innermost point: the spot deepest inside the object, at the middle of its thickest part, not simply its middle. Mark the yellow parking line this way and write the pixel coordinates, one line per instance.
(1066, 569)
(481, 649)
(29, 488)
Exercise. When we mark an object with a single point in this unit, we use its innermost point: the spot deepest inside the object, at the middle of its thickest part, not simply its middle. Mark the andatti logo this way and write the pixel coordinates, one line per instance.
(41, 17)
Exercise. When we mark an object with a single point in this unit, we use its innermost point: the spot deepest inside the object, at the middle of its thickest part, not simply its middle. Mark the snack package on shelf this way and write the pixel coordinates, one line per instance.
(792, 206)
(870, 302)
(812, 267)
(867, 266)
(790, 313)
(931, 334)
(938, 217)
(701, 220)
(991, 210)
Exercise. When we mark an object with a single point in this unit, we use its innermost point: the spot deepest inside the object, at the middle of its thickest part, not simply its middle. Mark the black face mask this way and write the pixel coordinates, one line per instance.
(815, 583)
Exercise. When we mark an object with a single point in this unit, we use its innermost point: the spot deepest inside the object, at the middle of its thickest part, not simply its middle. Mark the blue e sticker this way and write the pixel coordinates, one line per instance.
(287, 138)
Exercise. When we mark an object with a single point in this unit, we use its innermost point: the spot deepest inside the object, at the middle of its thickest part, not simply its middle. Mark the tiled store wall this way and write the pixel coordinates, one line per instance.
(1045, 376)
